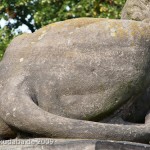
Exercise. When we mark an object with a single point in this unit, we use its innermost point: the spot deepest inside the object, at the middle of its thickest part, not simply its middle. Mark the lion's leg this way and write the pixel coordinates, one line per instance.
(6, 131)
(28, 117)
(147, 118)
(19, 110)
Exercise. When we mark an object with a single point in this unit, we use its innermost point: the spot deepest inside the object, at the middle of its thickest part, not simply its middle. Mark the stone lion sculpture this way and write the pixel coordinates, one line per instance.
(77, 79)
(137, 10)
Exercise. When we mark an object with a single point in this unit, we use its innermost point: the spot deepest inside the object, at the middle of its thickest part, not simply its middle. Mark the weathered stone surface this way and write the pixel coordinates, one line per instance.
(76, 145)
(137, 10)
(78, 69)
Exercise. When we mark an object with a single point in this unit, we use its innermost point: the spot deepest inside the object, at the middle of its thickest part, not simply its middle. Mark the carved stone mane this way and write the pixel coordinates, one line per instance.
(137, 10)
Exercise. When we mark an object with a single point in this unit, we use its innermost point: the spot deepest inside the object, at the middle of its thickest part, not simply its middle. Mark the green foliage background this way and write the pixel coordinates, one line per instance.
(37, 13)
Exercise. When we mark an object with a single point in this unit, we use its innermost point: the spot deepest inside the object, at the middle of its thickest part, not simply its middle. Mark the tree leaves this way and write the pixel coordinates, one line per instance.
(5, 38)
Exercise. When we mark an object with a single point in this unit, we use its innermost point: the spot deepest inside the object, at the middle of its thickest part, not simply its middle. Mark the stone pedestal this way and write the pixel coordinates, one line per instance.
(69, 144)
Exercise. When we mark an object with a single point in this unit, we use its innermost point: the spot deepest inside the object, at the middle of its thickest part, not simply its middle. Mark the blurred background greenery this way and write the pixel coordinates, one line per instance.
(33, 14)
